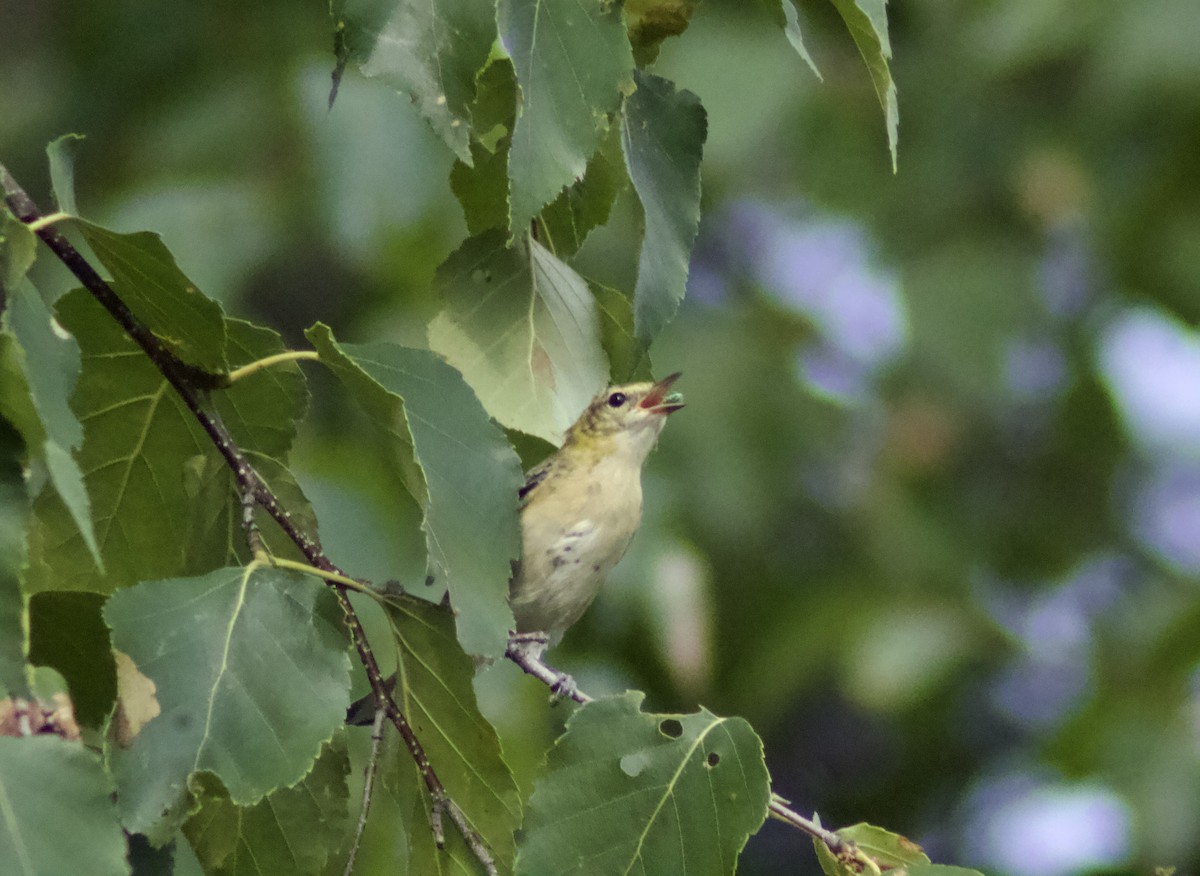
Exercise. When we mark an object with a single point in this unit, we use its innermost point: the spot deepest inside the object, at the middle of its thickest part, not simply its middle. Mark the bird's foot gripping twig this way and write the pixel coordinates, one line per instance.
(526, 650)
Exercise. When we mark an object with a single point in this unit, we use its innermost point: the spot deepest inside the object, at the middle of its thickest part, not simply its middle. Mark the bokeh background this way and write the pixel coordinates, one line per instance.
(931, 520)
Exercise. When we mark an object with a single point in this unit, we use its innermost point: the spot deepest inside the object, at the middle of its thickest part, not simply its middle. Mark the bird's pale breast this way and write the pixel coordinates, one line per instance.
(572, 535)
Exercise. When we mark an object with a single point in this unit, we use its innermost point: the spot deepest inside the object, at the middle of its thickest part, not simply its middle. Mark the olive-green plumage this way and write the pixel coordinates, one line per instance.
(581, 507)
(579, 511)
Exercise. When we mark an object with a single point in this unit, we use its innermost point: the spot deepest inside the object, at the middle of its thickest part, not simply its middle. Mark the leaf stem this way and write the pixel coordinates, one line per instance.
(328, 575)
(259, 364)
(47, 220)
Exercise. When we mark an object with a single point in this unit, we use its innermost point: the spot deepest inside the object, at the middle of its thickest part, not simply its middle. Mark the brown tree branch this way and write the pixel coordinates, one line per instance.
(190, 384)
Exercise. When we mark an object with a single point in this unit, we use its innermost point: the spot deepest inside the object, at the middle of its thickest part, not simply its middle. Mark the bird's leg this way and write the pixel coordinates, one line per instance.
(529, 645)
(526, 650)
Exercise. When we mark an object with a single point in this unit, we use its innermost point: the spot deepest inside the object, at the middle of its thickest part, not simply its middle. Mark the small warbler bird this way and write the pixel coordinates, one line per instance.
(579, 510)
(581, 507)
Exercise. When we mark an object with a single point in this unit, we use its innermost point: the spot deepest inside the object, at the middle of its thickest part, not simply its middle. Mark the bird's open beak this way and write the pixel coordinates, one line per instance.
(660, 399)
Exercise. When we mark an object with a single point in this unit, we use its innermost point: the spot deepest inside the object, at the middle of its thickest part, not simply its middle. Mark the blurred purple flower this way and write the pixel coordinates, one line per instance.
(1055, 628)
(821, 268)
(1151, 364)
(1067, 270)
(1166, 515)
(1026, 826)
(1036, 369)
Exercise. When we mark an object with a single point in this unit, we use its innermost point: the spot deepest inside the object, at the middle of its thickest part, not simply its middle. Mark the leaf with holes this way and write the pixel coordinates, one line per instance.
(625, 790)
(522, 328)
(251, 675)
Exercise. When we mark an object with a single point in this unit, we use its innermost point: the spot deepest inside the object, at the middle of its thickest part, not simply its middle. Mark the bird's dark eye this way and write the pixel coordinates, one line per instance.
(616, 399)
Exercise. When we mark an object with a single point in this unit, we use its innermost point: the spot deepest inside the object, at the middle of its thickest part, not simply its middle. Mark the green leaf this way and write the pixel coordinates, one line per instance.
(629, 357)
(14, 621)
(292, 830)
(140, 443)
(649, 22)
(523, 329)
(18, 250)
(625, 790)
(787, 17)
(586, 203)
(573, 63)
(461, 470)
(42, 779)
(261, 412)
(934, 870)
(145, 277)
(427, 50)
(830, 864)
(434, 691)
(482, 185)
(251, 674)
(663, 136)
(49, 361)
(61, 153)
(887, 848)
(867, 21)
(67, 633)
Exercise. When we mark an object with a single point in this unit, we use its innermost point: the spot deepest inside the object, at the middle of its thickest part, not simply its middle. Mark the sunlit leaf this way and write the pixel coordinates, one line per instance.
(251, 674)
(573, 63)
(460, 469)
(427, 50)
(522, 327)
(629, 791)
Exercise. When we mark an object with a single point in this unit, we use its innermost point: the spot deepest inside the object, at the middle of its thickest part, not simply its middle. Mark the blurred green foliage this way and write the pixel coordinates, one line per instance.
(863, 581)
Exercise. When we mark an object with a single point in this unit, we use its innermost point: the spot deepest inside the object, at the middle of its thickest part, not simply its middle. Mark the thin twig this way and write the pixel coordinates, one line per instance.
(533, 664)
(368, 790)
(189, 382)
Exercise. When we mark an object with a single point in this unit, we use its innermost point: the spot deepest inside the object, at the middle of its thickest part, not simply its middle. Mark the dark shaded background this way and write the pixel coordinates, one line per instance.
(931, 520)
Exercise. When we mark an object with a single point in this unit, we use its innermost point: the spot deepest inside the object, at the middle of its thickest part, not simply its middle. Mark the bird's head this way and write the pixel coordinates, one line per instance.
(627, 418)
